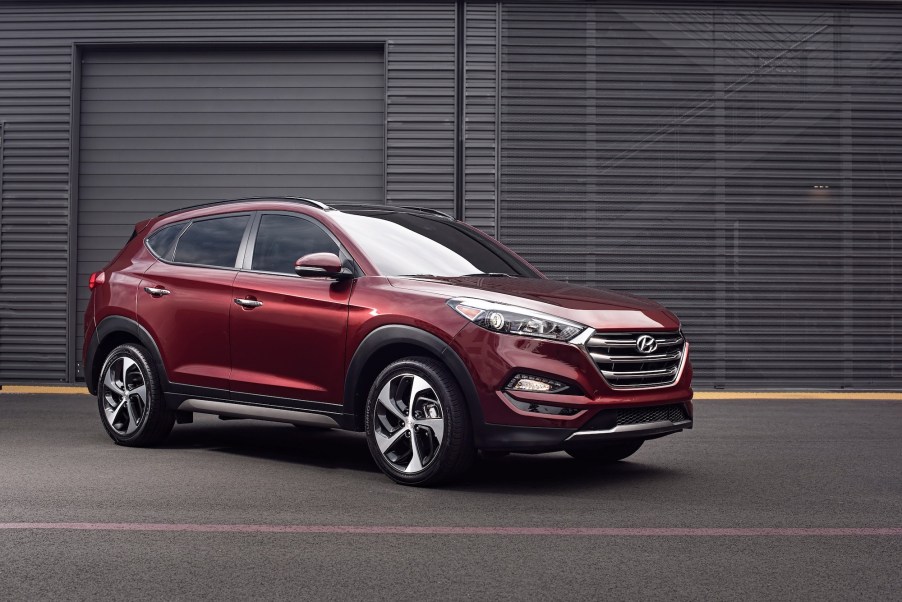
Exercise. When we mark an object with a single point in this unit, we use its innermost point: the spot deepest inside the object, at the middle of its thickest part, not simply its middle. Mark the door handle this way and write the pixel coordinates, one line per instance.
(155, 292)
(248, 303)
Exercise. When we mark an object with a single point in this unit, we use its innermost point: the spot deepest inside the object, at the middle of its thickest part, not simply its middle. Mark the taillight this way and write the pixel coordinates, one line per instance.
(97, 278)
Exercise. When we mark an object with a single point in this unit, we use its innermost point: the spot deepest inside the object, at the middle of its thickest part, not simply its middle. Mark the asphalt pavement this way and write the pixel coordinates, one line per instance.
(135, 523)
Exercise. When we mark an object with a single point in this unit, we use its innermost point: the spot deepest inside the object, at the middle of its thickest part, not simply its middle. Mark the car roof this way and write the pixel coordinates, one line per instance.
(340, 206)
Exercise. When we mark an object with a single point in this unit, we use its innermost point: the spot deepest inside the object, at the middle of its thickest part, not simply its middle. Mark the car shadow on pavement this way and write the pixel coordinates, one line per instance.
(278, 442)
(515, 473)
(541, 473)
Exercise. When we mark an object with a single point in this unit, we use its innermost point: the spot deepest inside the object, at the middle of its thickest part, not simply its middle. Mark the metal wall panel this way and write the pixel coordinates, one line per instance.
(163, 129)
(740, 165)
(36, 41)
(480, 114)
(34, 164)
(34, 107)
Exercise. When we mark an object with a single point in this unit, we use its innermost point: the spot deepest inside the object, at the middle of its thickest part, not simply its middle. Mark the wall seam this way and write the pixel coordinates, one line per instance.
(71, 292)
(460, 108)
(498, 50)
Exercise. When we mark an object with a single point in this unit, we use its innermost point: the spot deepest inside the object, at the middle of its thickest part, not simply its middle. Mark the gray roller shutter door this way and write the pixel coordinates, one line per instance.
(165, 129)
(740, 165)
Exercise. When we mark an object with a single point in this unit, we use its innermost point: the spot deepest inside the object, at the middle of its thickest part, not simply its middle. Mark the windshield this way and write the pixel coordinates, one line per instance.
(407, 244)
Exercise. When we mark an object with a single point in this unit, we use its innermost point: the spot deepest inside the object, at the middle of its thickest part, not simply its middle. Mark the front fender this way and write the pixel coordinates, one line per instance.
(397, 333)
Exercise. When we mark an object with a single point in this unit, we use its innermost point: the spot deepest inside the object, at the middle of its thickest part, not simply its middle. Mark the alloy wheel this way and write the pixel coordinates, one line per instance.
(124, 395)
(409, 423)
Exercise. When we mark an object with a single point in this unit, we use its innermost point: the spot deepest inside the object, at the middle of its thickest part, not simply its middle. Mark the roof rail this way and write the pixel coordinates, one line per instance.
(294, 199)
(426, 210)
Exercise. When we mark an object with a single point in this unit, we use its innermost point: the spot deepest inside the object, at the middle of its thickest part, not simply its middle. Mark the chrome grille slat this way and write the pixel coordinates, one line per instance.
(609, 343)
(629, 358)
(642, 374)
(601, 342)
(623, 366)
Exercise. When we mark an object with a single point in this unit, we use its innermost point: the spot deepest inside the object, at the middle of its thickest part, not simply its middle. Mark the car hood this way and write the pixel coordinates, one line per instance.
(597, 308)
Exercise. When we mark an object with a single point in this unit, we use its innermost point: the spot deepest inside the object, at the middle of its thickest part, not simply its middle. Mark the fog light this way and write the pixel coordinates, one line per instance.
(538, 408)
(535, 384)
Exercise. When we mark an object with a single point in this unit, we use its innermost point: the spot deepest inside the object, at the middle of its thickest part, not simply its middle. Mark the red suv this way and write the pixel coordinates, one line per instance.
(431, 337)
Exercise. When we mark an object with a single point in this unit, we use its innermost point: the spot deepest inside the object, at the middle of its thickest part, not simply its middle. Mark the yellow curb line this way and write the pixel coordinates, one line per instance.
(860, 396)
(48, 389)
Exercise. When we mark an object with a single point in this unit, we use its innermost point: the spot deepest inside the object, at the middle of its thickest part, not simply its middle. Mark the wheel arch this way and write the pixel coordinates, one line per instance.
(389, 343)
(111, 332)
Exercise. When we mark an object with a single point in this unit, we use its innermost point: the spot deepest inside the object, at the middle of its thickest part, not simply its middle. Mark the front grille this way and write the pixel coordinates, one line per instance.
(673, 413)
(624, 366)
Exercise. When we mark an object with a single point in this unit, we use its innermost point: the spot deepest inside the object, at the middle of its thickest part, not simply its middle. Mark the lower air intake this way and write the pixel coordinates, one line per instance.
(673, 413)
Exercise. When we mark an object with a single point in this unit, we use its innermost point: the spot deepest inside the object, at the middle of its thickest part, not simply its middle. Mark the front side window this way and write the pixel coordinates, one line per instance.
(212, 242)
(282, 240)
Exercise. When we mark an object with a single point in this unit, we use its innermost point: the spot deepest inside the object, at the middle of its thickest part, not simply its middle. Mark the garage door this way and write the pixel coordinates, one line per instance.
(166, 129)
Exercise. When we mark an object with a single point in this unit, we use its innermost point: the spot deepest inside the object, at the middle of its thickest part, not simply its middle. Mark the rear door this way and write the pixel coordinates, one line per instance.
(185, 298)
(291, 342)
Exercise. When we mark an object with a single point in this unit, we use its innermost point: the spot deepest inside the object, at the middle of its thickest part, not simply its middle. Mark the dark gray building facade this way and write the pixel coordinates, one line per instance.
(739, 162)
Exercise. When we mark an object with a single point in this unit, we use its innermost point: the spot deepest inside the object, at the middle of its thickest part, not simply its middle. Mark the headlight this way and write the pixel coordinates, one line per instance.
(510, 319)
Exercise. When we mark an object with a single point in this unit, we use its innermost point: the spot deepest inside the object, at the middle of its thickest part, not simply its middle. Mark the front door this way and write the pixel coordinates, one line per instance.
(288, 332)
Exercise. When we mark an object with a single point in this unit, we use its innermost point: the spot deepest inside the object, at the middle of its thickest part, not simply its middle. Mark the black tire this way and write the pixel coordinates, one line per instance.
(610, 452)
(155, 421)
(437, 463)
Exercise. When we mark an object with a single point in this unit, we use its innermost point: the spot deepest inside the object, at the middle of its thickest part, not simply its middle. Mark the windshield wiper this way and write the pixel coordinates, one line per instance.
(491, 275)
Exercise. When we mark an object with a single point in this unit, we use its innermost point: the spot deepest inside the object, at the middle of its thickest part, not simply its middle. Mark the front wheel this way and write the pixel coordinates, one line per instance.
(130, 399)
(417, 424)
(611, 452)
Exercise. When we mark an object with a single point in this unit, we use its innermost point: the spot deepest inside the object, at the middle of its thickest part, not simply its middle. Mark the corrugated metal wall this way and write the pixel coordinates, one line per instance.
(741, 165)
(34, 308)
(481, 115)
(36, 41)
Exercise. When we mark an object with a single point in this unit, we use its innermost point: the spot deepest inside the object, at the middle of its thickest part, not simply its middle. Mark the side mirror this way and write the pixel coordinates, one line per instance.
(321, 265)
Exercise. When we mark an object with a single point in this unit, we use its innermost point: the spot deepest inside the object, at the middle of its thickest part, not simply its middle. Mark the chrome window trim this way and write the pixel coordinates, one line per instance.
(190, 222)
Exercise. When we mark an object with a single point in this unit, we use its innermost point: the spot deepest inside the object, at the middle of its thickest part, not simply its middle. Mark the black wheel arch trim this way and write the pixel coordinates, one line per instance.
(392, 334)
(112, 325)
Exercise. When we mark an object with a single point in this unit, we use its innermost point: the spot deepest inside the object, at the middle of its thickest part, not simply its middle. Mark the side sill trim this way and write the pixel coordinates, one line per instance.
(629, 431)
(222, 408)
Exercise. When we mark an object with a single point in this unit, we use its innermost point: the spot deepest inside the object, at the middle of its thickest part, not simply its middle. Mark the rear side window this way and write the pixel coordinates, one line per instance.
(282, 240)
(212, 242)
(162, 241)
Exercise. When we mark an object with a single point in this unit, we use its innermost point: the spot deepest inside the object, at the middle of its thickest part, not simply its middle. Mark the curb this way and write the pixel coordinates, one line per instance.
(839, 395)
(699, 395)
(56, 390)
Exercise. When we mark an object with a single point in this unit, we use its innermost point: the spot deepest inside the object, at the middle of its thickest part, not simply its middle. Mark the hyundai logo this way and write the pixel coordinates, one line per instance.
(646, 343)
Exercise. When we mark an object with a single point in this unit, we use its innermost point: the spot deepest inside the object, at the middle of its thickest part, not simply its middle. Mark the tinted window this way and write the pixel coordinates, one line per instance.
(212, 241)
(161, 241)
(410, 244)
(282, 240)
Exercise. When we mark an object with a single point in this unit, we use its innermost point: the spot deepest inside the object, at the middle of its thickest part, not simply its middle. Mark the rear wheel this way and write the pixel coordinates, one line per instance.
(417, 424)
(610, 452)
(130, 399)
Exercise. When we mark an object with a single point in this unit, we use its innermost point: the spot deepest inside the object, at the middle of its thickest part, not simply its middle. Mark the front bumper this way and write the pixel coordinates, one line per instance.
(492, 359)
(539, 440)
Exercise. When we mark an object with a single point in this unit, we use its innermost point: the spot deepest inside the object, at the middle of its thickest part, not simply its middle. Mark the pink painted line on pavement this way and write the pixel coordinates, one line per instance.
(401, 530)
